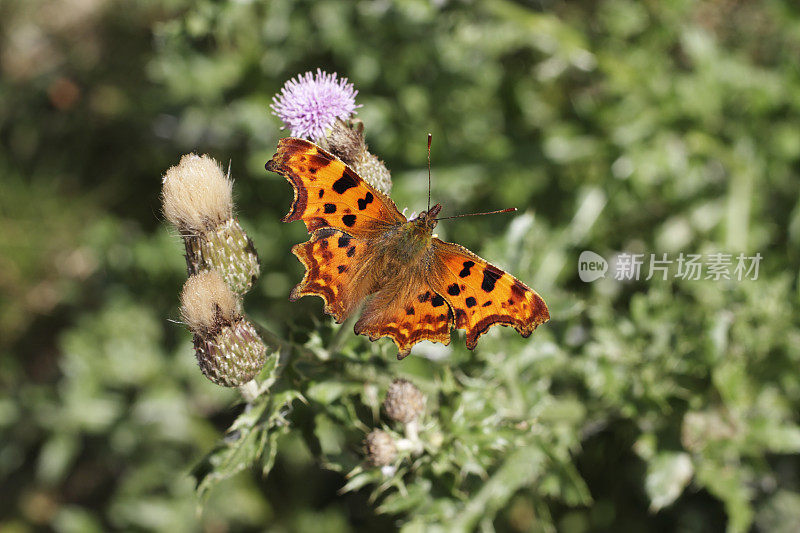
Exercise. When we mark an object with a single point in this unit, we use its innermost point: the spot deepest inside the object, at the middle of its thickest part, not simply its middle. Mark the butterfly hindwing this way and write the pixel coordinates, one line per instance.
(328, 193)
(334, 263)
(482, 295)
(407, 313)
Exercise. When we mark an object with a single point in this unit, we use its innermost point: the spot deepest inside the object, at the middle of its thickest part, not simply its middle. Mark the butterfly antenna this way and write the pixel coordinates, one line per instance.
(509, 210)
(429, 171)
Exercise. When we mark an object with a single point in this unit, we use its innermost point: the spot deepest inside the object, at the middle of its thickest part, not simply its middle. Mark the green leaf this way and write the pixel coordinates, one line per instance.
(729, 484)
(519, 469)
(399, 501)
(667, 475)
(56, 456)
(326, 392)
(250, 440)
(780, 513)
(373, 475)
(237, 452)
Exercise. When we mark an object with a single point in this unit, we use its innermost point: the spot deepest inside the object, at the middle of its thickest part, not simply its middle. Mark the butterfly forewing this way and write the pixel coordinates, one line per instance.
(482, 295)
(328, 193)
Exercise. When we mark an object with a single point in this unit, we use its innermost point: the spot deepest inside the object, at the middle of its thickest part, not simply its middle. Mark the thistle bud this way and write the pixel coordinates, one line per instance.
(197, 199)
(381, 449)
(404, 401)
(373, 170)
(228, 348)
(346, 141)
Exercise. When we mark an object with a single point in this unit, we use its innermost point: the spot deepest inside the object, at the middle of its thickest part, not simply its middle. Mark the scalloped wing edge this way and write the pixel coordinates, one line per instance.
(404, 348)
(287, 147)
(300, 289)
(541, 313)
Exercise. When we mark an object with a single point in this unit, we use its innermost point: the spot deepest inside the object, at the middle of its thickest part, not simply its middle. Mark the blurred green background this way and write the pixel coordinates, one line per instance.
(645, 127)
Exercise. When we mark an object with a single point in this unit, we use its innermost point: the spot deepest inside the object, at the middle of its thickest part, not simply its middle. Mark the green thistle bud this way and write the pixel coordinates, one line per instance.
(374, 172)
(228, 250)
(404, 401)
(232, 357)
(380, 447)
(197, 199)
(228, 348)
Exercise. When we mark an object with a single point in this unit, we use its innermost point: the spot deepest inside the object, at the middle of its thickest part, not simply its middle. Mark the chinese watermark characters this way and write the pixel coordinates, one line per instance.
(691, 267)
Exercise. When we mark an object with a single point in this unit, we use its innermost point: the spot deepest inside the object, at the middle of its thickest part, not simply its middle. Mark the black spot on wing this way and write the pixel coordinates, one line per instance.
(349, 220)
(344, 241)
(465, 271)
(471, 302)
(487, 303)
(409, 310)
(363, 202)
(453, 290)
(347, 181)
(351, 251)
(437, 300)
(341, 268)
(330, 208)
(490, 276)
(424, 297)
(321, 193)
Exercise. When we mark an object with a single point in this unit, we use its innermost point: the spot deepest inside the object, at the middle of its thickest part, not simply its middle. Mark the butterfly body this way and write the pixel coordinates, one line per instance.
(419, 287)
(409, 241)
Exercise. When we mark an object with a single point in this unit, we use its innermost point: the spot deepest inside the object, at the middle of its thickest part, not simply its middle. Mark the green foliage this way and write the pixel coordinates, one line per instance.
(660, 127)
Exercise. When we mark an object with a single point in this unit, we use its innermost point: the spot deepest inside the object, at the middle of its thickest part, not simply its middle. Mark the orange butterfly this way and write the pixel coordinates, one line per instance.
(362, 245)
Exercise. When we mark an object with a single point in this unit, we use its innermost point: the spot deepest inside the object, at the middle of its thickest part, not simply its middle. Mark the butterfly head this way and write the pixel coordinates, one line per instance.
(427, 219)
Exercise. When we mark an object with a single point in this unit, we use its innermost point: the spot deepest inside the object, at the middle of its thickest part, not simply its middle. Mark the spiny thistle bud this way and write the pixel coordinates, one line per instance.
(346, 141)
(404, 401)
(381, 449)
(197, 200)
(374, 172)
(228, 349)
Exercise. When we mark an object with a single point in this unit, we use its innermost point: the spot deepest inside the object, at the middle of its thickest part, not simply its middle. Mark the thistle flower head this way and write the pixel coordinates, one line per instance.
(310, 103)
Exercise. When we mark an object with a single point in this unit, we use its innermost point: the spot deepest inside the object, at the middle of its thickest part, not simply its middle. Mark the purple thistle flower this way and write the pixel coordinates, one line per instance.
(309, 104)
